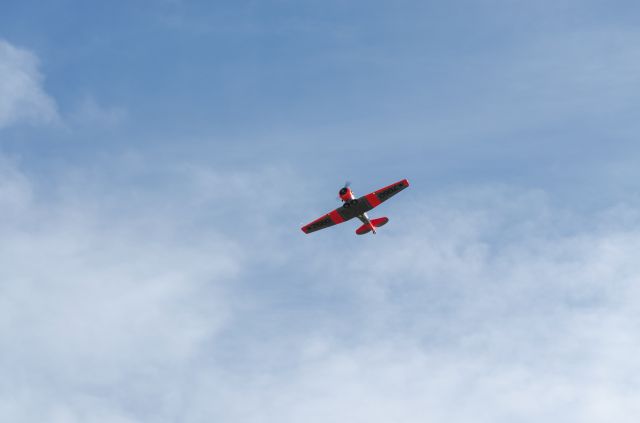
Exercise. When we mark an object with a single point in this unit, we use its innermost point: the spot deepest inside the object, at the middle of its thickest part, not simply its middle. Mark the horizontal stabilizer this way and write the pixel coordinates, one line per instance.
(368, 227)
(364, 229)
(381, 221)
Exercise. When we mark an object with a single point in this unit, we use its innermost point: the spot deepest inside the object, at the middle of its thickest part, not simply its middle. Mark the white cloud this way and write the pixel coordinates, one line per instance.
(22, 96)
(488, 312)
(91, 301)
(119, 302)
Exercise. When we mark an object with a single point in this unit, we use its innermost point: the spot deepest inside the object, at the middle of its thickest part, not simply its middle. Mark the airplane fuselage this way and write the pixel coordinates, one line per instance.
(346, 195)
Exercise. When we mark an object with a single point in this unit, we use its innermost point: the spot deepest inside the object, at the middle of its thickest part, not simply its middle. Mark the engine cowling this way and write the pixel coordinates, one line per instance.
(346, 194)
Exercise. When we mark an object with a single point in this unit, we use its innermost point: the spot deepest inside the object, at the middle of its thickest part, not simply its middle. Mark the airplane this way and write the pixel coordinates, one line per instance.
(357, 207)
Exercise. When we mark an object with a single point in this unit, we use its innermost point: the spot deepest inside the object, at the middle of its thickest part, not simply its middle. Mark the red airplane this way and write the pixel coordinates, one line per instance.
(357, 207)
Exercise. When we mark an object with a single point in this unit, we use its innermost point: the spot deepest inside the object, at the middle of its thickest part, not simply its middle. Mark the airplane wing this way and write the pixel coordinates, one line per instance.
(383, 194)
(329, 219)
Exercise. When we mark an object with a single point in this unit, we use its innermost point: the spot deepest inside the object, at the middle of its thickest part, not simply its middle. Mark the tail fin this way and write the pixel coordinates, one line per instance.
(381, 221)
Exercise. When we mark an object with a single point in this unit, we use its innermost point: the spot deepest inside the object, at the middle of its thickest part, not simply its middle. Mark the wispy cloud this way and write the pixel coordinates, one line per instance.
(126, 304)
(89, 113)
(22, 96)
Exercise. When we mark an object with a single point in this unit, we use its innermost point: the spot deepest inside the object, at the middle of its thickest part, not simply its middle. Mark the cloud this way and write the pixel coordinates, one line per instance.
(22, 96)
(487, 309)
(91, 301)
(129, 301)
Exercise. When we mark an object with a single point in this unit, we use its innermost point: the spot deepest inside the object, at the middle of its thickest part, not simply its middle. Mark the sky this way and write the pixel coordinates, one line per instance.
(157, 160)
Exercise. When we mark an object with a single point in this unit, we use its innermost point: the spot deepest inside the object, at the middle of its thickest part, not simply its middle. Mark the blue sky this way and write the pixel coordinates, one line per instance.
(158, 159)
(476, 91)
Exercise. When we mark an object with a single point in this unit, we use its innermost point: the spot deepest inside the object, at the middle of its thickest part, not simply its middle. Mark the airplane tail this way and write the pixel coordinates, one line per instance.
(375, 223)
